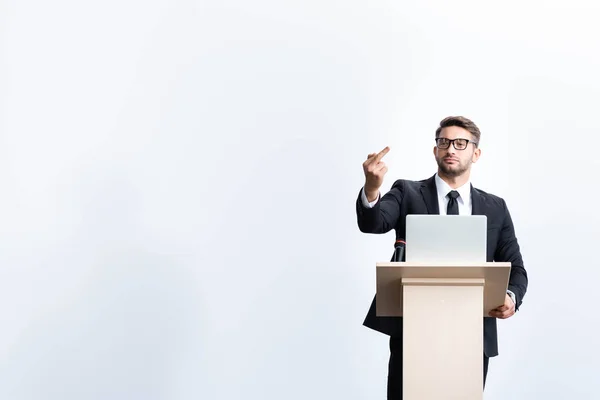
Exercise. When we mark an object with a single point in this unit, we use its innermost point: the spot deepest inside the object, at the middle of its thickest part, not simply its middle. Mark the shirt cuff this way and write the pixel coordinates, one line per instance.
(512, 296)
(365, 201)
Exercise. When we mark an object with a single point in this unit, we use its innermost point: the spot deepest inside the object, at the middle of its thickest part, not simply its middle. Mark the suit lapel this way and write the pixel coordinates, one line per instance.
(429, 193)
(477, 207)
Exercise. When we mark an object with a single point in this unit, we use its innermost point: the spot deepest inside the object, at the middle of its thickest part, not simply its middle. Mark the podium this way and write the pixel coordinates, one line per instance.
(442, 305)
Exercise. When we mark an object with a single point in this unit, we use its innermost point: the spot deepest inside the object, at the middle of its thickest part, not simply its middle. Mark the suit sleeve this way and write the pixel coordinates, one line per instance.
(508, 250)
(383, 216)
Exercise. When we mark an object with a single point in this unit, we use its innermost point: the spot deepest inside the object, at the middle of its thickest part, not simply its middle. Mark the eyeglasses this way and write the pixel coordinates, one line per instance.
(459, 144)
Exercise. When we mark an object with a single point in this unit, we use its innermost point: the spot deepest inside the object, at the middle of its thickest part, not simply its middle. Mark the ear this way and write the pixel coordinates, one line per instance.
(476, 155)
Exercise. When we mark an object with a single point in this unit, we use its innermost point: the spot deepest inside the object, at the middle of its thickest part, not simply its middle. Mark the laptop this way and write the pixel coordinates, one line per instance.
(446, 238)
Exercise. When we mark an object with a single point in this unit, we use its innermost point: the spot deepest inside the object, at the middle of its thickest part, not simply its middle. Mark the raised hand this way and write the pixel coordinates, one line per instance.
(375, 170)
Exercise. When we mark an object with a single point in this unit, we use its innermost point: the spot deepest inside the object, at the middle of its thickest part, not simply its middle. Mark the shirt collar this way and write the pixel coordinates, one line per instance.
(443, 188)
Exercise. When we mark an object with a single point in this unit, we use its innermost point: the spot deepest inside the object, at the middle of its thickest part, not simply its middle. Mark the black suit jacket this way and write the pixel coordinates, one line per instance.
(420, 197)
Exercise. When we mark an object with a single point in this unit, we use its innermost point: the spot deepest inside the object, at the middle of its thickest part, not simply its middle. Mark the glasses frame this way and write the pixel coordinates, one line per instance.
(451, 143)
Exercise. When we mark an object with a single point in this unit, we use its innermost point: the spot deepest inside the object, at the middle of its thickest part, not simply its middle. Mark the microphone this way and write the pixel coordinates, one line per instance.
(399, 250)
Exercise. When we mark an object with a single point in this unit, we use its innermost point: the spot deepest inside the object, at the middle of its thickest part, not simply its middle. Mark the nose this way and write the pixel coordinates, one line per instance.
(451, 150)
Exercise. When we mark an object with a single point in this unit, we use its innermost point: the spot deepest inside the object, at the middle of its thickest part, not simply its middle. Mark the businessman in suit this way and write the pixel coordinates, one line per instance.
(449, 191)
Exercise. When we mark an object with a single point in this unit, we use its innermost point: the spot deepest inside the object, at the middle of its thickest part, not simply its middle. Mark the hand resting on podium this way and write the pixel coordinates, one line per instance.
(504, 311)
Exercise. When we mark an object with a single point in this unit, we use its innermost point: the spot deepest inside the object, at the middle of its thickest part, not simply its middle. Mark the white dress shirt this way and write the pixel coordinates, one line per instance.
(464, 200)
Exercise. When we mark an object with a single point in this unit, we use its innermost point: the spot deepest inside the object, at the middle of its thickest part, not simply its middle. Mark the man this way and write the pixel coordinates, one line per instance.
(449, 191)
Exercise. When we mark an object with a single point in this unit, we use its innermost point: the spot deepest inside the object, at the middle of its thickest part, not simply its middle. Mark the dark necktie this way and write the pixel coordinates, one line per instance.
(452, 203)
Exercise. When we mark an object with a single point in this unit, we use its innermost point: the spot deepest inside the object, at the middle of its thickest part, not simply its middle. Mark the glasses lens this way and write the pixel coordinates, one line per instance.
(443, 143)
(461, 144)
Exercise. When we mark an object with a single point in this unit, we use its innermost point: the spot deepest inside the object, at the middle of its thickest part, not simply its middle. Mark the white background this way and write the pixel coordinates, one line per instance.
(178, 182)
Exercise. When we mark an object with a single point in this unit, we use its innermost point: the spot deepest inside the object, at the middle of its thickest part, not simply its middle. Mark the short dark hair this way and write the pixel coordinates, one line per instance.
(461, 122)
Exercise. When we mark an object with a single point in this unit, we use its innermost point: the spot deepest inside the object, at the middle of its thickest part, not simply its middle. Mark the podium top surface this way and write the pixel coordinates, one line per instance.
(421, 264)
(495, 276)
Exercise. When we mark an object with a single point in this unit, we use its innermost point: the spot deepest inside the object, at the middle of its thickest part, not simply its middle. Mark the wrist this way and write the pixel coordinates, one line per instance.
(372, 194)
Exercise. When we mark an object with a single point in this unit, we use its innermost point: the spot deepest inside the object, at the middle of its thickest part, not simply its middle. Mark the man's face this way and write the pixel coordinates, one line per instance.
(453, 162)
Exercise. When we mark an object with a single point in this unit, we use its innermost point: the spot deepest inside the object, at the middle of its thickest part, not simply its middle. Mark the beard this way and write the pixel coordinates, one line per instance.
(452, 171)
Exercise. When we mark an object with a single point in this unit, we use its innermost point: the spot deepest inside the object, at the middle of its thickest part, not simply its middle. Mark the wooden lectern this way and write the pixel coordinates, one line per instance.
(442, 305)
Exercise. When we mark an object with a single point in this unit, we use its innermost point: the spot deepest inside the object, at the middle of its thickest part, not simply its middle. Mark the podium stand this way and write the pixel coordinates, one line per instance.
(442, 305)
